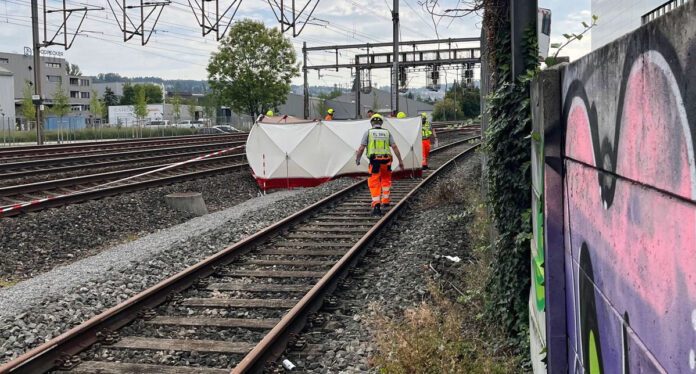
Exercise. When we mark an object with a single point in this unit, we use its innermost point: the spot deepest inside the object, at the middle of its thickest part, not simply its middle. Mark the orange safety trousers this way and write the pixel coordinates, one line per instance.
(380, 182)
(426, 151)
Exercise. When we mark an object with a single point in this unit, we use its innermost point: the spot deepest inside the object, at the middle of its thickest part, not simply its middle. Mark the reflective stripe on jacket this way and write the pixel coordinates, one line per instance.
(378, 142)
(426, 130)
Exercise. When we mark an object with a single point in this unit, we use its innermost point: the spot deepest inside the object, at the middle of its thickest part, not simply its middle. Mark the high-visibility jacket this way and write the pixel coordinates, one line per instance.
(378, 142)
(426, 130)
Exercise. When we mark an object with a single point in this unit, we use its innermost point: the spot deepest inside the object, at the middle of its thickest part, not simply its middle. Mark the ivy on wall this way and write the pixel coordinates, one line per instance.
(509, 182)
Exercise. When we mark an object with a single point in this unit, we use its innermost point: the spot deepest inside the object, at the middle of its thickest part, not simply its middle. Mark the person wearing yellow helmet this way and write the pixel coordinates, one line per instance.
(376, 143)
(401, 115)
(329, 115)
(427, 133)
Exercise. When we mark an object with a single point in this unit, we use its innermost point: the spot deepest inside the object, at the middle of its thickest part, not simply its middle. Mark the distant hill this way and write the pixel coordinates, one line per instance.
(175, 85)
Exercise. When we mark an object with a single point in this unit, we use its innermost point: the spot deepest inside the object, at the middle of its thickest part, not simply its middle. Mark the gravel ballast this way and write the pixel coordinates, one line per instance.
(36, 310)
(391, 278)
(36, 242)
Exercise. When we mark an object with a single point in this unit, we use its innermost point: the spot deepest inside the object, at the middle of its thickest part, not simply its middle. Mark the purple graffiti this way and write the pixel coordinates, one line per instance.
(630, 192)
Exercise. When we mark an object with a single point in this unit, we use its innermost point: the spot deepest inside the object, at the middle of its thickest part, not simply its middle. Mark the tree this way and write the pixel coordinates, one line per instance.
(109, 99)
(153, 93)
(209, 106)
(129, 92)
(28, 108)
(96, 107)
(140, 106)
(460, 102)
(176, 108)
(61, 106)
(192, 107)
(72, 70)
(252, 68)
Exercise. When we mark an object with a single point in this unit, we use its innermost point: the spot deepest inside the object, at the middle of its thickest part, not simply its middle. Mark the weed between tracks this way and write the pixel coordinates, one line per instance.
(449, 333)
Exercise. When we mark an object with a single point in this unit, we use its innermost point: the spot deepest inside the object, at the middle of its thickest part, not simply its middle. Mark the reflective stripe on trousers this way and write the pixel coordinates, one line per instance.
(426, 151)
(380, 182)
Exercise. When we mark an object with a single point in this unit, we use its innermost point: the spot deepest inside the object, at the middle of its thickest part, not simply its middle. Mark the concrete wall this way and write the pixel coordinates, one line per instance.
(626, 232)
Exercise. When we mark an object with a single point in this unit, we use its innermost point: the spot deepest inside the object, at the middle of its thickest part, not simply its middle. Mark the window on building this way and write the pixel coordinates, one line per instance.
(74, 81)
(75, 94)
(54, 78)
(4, 60)
(84, 82)
(76, 108)
(55, 65)
(84, 95)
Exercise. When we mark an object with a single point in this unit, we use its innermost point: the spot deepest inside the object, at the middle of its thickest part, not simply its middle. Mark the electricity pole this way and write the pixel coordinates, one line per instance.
(395, 60)
(305, 87)
(37, 99)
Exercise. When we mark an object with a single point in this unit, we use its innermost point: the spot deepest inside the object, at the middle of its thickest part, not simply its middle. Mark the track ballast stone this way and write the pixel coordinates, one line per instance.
(36, 242)
(391, 278)
(34, 311)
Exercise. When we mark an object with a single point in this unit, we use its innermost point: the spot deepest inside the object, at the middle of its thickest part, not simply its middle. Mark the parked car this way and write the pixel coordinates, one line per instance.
(157, 124)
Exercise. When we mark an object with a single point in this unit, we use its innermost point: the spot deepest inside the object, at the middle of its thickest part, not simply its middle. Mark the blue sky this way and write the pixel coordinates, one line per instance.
(177, 49)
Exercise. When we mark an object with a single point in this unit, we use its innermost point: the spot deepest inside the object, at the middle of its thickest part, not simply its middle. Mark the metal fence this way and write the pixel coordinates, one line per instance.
(662, 10)
(15, 132)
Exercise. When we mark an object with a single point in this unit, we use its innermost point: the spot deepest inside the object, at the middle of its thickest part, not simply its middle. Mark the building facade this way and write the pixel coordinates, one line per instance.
(7, 104)
(54, 75)
(619, 17)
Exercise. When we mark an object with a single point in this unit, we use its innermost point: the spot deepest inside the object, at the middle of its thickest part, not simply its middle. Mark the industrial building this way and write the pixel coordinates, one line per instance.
(7, 104)
(54, 75)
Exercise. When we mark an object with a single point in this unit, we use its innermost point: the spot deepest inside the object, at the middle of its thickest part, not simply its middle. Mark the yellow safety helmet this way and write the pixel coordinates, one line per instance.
(424, 115)
(330, 111)
(376, 119)
(269, 113)
(401, 115)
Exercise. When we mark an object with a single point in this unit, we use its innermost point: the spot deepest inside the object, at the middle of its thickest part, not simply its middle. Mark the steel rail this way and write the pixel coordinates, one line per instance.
(25, 148)
(100, 177)
(60, 169)
(109, 156)
(14, 155)
(46, 356)
(120, 189)
(274, 343)
(62, 200)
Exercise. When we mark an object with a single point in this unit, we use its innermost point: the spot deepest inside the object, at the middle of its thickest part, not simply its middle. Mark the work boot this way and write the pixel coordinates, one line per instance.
(425, 167)
(376, 211)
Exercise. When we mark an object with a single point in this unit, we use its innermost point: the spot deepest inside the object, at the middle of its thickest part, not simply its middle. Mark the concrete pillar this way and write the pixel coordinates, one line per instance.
(189, 202)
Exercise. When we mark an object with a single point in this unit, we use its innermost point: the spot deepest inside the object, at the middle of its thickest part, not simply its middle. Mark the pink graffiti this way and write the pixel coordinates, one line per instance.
(646, 238)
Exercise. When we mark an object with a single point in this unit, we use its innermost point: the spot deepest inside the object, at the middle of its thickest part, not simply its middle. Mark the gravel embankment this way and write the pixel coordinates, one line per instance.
(392, 278)
(37, 242)
(34, 311)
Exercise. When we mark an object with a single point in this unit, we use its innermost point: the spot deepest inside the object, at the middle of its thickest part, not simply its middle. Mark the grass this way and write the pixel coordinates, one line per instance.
(7, 283)
(94, 134)
(450, 333)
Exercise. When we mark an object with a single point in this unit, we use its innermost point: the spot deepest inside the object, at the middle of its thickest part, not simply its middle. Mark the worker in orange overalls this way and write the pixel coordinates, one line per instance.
(427, 132)
(378, 141)
(329, 115)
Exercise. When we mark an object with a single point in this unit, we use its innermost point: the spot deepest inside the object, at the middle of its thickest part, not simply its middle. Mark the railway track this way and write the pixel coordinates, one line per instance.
(55, 193)
(20, 169)
(241, 307)
(66, 150)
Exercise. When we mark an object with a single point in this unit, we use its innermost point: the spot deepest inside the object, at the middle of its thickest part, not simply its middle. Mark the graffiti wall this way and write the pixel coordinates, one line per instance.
(628, 119)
